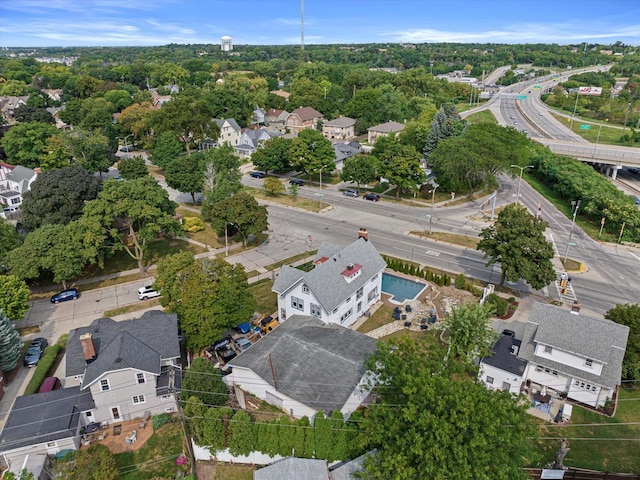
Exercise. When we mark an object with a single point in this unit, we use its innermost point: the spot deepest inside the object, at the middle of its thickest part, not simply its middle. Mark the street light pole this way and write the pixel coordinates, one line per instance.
(520, 181)
(320, 198)
(626, 117)
(433, 197)
(575, 107)
(574, 206)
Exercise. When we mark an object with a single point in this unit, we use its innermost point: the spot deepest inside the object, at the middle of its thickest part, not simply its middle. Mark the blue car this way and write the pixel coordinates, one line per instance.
(64, 295)
(35, 352)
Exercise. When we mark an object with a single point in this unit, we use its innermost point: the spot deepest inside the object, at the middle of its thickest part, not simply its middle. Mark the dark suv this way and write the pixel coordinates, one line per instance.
(64, 295)
(257, 174)
(374, 197)
(296, 181)
(35, 352)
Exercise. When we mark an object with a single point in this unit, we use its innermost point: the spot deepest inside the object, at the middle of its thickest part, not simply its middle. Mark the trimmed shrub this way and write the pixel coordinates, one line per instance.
(192, 224)
(461, 281)
(159, 420)
(499, 304)
(42, 369)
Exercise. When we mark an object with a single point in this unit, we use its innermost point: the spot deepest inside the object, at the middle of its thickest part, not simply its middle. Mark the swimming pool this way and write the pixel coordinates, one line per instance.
(401, 289)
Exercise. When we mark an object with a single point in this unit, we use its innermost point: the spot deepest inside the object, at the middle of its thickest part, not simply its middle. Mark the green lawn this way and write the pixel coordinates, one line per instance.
(598, 442)
(380, 317)
(266, 299)
(608, 135)
(156, 458)
(483, 116)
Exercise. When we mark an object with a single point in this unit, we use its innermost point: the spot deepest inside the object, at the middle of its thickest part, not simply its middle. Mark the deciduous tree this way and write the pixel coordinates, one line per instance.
(222, 175)
(186, 174)
(203, 381)
(470, 331)
(93, 463)
(9, 240)
(14, 295)
(242, 212)
(132, 167)
(629, 315)
(25, 143)
(360, 169)
(273, 155)
(516, 241)
(310, 152)
(166, 149)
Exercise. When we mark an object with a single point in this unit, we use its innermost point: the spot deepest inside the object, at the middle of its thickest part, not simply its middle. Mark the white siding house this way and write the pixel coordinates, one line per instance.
(503, 370)
(342, 286)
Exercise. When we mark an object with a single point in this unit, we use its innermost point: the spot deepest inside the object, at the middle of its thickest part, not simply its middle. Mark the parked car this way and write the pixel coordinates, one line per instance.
(374, 197)
(509, 333)
(35, 352)
(49, 384)
(257, 174)
(243, 343)
(64, 295)
(226, 355)
(222, 343)
(296, 181)
(350, 193)
(145, 293)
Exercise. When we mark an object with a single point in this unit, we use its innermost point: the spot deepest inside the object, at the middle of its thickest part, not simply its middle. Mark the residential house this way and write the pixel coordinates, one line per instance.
(251, 139)
(276, 118)
(344, 283)
(54, 94)
(15, 181)
(344, 151)
(503, 369)
(130, 367)
(572, 353)
(43, 424)
(295, 367)
(281, 93)
(389, 128)
(229, 131)
(303, 118)
(293, 468)
(340, 129)
(8, 105)
(259, 115)
(158, 100)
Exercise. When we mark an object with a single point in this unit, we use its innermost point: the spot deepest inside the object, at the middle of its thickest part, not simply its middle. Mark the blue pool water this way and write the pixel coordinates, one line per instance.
(400, 288)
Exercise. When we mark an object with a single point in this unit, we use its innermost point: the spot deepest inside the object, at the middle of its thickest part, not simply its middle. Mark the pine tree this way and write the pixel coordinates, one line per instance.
(10, 344)
(446, 123)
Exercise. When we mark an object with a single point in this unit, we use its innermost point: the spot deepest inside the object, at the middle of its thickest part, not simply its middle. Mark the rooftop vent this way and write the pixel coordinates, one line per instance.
(514, 350)
(88, 349)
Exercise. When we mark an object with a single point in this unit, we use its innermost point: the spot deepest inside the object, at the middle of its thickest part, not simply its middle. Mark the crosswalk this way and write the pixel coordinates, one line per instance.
(563, 279)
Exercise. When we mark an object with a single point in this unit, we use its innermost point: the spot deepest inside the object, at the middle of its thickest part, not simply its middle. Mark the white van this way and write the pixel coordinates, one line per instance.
(144, 293)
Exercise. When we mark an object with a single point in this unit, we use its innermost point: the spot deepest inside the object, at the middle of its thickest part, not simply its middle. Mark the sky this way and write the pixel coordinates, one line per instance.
(63, 23)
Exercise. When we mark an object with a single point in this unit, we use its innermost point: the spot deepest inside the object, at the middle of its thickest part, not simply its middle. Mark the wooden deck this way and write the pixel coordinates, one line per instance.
(116, 442)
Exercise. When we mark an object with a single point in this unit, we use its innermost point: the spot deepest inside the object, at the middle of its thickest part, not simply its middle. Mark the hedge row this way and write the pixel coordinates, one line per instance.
(42, 370)
(417, 271)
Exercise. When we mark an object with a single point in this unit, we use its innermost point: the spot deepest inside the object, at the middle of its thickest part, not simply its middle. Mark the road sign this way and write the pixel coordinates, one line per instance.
(521, 97)
(585, 127)
(536, 87)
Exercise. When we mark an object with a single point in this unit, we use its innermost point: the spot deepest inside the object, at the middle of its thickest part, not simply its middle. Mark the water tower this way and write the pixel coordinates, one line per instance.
(226, 44)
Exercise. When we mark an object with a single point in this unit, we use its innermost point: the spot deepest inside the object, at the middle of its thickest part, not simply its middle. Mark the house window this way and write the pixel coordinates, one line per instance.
(305, 289)
(315, 310)
(138, 399)
(577, 384)
(359, 293)
(538, 368)
(140, 378)
(104, 385)
(547, 370)
(359, 307)
(165, 397)
(297, 303)
(593, 388)
(490, 380)
(374, 277)
(555, 372)
(372, 294)
(283, 314)
(547, 349)
(348, 300)
(506, 386)
(588, 362)
(346, 315)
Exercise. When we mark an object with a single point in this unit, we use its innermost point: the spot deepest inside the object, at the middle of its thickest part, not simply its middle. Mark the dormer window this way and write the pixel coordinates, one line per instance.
(588, 362)
(305, 289)
(547, 349)
(352, 271)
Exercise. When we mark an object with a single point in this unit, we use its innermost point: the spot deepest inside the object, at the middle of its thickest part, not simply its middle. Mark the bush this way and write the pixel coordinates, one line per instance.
(499, 304)
(461, 281)
(42, 369)
(159, 420)
(192, 224)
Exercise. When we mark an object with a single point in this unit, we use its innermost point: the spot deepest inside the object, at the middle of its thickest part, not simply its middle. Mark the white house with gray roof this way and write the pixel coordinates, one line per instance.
(305, 366)
(251, 139)
(130, 367)
(503, 369)
(575, 354)
(230, 131)
(343, 284)
(15, 181)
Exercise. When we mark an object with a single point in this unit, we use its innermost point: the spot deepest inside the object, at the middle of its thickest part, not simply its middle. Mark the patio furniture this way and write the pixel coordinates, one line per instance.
(404, 317)
(117, 429)
(424, 326)
(397, 310)
(145, 419)
(408, 308)
(423, 320)
(407, 324)
(131, 438)
(396, 315)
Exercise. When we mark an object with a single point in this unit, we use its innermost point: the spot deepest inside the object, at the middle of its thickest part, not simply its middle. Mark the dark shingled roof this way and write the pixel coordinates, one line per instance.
(599, 339)
(44, 417)
(140, 343)
(503, 358)
(317, 364)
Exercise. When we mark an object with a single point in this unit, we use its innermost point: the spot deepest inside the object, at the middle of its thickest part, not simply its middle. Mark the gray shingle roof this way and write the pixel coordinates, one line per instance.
(231, 121)
(387, 127)
(590, 337)
(154, 333)
(315, 363)
(325, 280)
(44, 417)
(292, 468)
(502, 357)
(340, 122)
(20, 174)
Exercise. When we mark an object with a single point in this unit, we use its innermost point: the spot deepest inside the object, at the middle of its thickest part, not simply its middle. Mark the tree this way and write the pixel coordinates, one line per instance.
(222, 175)
(470, 331)
(25, 143)
(241, 434)
(203, 381)
(209, 296)
(133, 167)
(400, 164)
(310, 152)
(214, 430)
(516, 240)
(629, 315)
(29, 113)
(58, 196)
(186, 174)
(273, 186)
(9, 240)
(242, 212)
(94, 463)
(136, 119)
(10, 344)
(92, 151)
(430, 423)
(14, 295)
(360, 169)
(54, 248)
(129, 215)
(166, 149)
(445, 124)
(273, 155)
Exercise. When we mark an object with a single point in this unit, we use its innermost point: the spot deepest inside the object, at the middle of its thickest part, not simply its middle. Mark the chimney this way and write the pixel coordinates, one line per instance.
(350, 266)
(88, 350)
(362, 233)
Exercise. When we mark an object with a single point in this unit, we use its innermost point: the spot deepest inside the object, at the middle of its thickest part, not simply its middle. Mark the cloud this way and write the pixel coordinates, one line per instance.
(170, 27)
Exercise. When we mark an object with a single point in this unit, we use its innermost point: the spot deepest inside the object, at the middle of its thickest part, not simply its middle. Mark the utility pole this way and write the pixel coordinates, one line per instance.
(574, 206)
(433, 197)
(520, 181)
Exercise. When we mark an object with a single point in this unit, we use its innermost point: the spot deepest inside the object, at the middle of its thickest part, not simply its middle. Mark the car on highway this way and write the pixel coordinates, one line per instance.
(35, 352)
(374, 197)
(145, 293)
(515, 123)
(64, 295)
(350, 193)
(257, 174)
(296, 181)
